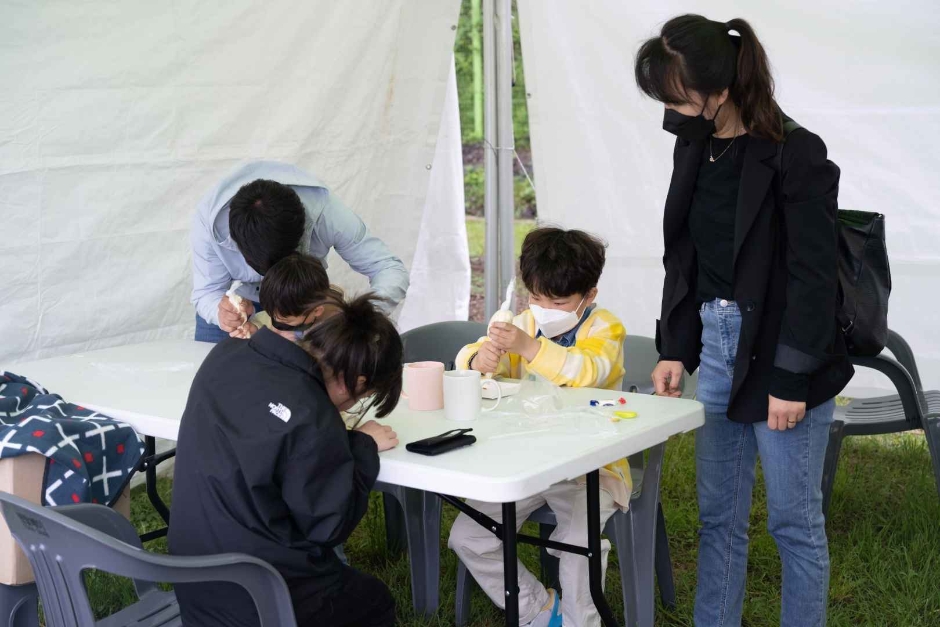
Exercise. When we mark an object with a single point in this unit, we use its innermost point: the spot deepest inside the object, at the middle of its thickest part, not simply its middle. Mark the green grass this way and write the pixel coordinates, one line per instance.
(476, 235)
(883, 533)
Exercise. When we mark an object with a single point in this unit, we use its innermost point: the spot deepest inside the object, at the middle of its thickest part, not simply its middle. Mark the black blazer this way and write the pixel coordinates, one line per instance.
(785, 275)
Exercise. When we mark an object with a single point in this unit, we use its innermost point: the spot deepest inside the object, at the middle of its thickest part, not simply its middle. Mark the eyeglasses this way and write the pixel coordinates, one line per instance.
(359, 410)
(362, 406)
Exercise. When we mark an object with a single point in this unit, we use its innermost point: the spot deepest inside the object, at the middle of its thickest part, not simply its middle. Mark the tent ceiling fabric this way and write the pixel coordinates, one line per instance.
(117, 117)
(866, 80)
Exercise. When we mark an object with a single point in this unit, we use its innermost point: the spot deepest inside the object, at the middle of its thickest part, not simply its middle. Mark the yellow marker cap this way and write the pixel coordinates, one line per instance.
(625, 414)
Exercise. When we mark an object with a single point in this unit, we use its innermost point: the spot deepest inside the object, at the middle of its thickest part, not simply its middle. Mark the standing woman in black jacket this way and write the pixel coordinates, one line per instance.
(750, 300)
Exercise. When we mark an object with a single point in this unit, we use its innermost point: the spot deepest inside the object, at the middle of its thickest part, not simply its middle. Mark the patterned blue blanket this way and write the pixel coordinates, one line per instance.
(91, 456)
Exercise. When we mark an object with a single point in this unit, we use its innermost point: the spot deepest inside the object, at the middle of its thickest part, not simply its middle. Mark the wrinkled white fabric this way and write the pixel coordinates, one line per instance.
(122, 115)
(866, 80)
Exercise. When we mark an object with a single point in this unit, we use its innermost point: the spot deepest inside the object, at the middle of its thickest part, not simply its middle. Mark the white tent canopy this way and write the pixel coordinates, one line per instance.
(118, 116)
(866, 78)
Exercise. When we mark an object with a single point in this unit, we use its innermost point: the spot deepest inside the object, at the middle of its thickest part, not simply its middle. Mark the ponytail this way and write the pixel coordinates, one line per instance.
(696, 54)
(358, 340)
(753, 88)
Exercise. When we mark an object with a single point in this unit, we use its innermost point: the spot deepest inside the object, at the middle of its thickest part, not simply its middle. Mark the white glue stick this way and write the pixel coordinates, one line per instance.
(504, 313)
(236, 300)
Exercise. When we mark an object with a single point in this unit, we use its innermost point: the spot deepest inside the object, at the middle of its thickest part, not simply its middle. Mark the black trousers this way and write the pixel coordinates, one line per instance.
(360, 600)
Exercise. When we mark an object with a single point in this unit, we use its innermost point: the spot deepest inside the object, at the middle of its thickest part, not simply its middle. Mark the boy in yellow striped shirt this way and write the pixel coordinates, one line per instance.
(565, 338)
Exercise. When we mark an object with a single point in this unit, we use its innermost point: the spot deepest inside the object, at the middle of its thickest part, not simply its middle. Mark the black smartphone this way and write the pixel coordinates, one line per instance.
(448, 441)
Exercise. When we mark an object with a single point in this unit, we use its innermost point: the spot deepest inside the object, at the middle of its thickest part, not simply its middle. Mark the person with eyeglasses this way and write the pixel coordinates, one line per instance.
(266, 467)
(292, 298)
(296, 290)
(259, 214)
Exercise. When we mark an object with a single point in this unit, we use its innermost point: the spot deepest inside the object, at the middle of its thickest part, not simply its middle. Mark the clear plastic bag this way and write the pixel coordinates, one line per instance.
(582, 422)
(536, 397)
(538, 408)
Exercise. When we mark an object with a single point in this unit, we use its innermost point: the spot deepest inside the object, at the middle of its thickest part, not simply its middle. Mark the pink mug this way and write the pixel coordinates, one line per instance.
(424, 385)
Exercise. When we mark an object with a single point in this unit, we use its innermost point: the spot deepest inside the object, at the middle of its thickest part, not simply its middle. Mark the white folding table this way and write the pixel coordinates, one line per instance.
(519, 457)
(147, 385)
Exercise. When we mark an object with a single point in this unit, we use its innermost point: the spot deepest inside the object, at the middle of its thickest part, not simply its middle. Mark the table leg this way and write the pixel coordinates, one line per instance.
(150, 444)
(150, 463)
(510, 571)
(595, 568)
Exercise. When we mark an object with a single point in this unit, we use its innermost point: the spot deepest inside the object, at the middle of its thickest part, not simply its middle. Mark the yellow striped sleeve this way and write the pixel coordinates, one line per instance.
(510, 366)
(595, 361)
(467, 353)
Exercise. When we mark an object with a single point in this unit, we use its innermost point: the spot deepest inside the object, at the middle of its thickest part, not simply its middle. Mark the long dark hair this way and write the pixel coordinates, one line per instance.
(693, 53)
(360, 341)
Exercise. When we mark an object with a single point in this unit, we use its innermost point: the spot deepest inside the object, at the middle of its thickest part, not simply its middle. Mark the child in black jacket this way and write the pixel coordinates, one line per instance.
(266, 466)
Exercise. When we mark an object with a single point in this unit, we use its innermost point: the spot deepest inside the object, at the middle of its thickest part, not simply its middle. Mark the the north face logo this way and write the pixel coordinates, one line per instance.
(280, 411)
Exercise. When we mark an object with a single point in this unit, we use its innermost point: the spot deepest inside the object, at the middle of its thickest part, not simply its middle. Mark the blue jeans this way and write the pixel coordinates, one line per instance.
(725, 457)
(208, 332)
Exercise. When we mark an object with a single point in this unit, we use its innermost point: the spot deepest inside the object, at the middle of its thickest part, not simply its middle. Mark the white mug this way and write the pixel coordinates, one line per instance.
(463, 395)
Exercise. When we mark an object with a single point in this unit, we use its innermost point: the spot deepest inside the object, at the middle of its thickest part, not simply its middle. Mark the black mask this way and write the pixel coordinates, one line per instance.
(689, 127)
(299, 330)
(283, 326)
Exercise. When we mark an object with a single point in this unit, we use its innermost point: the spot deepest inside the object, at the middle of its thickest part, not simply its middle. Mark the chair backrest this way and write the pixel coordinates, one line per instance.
(639, 359)
(912, 400)
(112, 523)
(60, 549)
(440, 341)
(905, 355)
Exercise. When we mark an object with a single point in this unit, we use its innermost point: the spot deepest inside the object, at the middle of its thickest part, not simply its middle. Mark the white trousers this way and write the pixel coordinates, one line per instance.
(482, 553)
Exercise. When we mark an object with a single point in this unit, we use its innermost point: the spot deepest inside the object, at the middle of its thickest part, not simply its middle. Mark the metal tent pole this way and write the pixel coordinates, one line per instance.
(490, 213)
(506, 146)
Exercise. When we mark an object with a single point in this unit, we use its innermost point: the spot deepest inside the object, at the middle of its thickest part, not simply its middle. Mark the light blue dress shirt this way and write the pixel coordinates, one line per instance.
(330, 224)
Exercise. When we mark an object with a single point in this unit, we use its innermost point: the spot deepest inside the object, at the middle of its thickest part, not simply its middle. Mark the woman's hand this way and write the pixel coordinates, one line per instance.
(667, 375)
(383, 435)
(784, 415)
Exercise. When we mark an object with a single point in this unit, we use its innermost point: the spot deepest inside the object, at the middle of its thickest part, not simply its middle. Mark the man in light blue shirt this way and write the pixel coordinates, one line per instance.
(261, 213)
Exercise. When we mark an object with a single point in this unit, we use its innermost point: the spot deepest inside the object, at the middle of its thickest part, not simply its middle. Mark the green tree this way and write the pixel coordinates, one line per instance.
(463, 59)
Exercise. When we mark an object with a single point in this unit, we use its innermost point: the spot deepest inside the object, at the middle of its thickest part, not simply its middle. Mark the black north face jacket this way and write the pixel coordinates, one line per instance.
(264, 466)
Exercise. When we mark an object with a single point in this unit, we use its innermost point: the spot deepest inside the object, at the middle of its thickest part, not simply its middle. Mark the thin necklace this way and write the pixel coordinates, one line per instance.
(711, 155)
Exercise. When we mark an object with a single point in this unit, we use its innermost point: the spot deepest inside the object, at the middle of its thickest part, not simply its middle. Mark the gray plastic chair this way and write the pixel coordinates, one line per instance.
(62, 543)
(638, 535)
(413, 517)
(19, 605)
(911, 408)
(440, 341)
(639, 358)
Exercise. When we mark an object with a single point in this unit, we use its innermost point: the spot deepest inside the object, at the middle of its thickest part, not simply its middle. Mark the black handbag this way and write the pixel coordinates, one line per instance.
(864, 282)
(864, 274)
